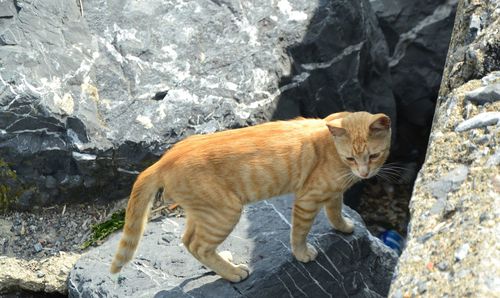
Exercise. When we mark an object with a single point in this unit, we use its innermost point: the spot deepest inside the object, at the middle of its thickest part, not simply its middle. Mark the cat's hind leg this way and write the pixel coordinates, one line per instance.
(206, 228)
(333, 208)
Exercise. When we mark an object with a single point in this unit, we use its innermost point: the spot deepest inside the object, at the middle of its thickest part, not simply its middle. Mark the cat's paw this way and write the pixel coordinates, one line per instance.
(239, 273)
(306, 254)
(347, 226)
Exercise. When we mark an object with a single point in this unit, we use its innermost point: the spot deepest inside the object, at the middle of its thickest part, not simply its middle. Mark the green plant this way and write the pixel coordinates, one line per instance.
(9, 186)
(102, 230)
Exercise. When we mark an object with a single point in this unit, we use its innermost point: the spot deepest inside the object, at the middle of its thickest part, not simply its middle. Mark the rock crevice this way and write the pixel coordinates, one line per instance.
(454, 227)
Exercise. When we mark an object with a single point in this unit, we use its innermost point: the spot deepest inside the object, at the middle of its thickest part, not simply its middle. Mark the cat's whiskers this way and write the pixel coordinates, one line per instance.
(350, 178)
(389, 175)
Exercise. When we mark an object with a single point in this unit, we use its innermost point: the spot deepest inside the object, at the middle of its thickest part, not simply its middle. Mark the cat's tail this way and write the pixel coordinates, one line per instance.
(144, 190)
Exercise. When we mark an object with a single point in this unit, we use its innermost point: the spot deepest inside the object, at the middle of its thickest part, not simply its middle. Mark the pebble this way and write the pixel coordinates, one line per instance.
(425, 237)
(40, 274)
(442, 266)
(481, 120)
(483, 139)
(38, 247)
(462, 252)
(484, 216)
(422, 287)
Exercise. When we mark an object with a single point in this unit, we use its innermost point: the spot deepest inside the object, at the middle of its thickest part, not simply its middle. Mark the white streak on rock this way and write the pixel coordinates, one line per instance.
(347, 51)
(307, 271)
(286, 287)
(279, 214)
(127, 171)
(295, 284)
(440, 13)
(83, 156)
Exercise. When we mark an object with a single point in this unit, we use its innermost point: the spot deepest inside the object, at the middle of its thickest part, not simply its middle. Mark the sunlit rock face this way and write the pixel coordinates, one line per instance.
(356, 265)
(92, 95)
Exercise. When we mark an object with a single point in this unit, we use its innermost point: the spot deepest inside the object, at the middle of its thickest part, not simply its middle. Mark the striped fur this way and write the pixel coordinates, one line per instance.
(213, 176)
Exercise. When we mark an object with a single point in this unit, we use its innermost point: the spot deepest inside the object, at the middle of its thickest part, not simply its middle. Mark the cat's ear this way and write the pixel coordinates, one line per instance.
(380, 123)
(335, 127)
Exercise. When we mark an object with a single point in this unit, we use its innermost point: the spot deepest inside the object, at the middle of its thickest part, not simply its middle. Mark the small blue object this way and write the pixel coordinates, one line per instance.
(392, 239)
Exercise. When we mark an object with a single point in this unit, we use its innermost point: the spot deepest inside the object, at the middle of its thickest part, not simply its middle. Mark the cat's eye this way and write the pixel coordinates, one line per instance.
(374, 156)
(350, 158)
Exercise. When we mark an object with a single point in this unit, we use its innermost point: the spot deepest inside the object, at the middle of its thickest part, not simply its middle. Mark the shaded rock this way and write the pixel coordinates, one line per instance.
(417, 34)
(337, 70)
(347, 265)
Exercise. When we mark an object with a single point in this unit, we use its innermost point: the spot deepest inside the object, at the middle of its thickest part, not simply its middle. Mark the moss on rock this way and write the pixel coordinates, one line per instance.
(10, 187)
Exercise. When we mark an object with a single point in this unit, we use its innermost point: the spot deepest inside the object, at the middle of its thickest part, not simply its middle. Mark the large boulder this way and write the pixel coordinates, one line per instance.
(91, 95)
(356, 265)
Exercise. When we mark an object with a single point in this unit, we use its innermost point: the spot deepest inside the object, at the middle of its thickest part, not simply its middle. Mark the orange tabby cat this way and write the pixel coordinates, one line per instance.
(213, 176)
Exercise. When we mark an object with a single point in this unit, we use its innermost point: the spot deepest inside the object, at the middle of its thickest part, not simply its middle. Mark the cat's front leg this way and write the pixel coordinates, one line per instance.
(333, 208)
(304, 211)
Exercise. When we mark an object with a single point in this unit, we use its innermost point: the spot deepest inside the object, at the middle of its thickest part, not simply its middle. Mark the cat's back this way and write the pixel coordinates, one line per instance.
(276, 136)
(276, 130)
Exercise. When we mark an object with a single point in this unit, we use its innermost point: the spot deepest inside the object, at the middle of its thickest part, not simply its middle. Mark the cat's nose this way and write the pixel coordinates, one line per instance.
(364, 175)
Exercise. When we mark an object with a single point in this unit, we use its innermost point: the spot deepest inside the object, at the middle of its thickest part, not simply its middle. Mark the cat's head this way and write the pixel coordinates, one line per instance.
(362, 140)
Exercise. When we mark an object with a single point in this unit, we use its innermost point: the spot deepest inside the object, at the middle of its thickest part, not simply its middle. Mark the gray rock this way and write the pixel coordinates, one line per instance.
(422, 287)
(38, 247)
(357, 265)
(446, 184)
(443, 266)
(482, 95)
(478, 121)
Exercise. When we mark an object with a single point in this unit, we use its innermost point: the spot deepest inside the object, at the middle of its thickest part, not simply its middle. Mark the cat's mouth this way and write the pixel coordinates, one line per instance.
(365, 176)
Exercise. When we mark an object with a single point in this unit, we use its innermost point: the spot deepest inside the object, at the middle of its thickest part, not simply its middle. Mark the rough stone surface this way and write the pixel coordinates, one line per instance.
(454, 230)
(45, 275)
(356, 265)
